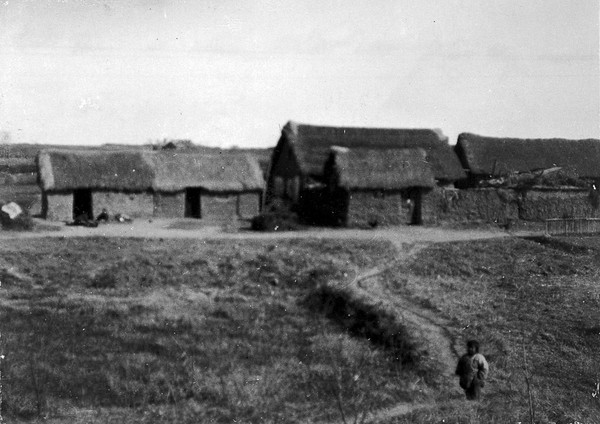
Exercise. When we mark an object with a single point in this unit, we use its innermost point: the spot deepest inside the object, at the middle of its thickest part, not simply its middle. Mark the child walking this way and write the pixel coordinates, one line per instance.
(472, 369)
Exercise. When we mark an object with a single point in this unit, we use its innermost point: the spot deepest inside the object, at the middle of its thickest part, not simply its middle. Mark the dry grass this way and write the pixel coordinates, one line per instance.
(116, 330)
(535, 297)
(183, 331)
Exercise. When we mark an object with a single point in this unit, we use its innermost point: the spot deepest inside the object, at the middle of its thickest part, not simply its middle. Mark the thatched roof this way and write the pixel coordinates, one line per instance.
(311, 145)
(490, 156)
(145, 170)
(224, 172)
(80, 169)
(387, 169)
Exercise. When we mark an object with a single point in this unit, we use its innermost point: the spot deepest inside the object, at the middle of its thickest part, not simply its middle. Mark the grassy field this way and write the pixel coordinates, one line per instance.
(118, 330)
(535, 306)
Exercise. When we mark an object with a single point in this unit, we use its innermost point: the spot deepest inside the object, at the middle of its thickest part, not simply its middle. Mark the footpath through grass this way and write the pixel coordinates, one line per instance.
(535, 306)
(118, 330)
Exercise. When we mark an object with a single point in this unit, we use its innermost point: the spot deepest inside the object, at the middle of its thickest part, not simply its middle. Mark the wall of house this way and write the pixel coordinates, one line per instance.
(134, 205)
(214, 206)
(249, 204)
(368, 208)
(218, 206)
(501, 205)
(58, 206)
(169, 205)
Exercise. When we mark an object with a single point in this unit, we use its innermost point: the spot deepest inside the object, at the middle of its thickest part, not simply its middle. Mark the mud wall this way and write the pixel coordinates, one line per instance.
(58, 206)
(368, 208)
(500, 205)
(219, 207)
(169, 205)
(538, 205)
(248, 204)
(135, 205)
(476, 205)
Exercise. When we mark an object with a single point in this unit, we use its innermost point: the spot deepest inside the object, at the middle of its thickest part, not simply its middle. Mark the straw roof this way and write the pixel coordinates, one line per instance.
(221, 172)
(80, 169)
(311, 145)
(495, 157)
(145, 170)
(379, 169)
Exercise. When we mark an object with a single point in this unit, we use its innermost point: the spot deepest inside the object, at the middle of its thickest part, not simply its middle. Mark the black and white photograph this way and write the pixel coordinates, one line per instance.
(300, 212)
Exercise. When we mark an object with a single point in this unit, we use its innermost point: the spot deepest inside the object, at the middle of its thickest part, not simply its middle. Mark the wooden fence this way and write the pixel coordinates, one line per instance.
(568, 226)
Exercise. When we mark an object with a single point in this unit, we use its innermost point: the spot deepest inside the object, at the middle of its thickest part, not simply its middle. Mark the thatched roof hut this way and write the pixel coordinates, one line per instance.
(166, 184)
(389, 169)
(143, 170)
(310, 145)
(496, 157)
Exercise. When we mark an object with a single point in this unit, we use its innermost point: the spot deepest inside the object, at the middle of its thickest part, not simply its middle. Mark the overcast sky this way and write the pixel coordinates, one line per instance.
(227, 72)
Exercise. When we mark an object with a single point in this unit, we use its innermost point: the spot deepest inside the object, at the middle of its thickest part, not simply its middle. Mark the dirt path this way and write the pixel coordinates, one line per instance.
(432, 329)
(189, 228)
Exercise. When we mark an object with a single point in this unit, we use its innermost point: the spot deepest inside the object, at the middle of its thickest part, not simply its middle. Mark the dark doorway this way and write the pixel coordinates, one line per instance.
(82, 204)
(192, 203)
(417, 198)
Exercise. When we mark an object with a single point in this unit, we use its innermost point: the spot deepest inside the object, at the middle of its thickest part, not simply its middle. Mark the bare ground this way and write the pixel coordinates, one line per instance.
(190, 228)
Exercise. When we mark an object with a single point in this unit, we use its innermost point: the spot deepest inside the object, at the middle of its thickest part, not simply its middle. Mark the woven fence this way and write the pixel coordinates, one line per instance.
(568, 226)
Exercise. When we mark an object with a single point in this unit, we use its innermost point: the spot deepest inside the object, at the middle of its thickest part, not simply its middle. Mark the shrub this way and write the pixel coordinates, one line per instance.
(278, 216)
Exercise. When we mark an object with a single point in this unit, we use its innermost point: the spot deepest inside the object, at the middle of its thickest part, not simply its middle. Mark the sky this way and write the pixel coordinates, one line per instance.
(232, 73)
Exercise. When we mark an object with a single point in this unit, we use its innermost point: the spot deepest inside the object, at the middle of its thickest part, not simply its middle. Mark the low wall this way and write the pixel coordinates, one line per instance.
(501, 205)
(538, 205)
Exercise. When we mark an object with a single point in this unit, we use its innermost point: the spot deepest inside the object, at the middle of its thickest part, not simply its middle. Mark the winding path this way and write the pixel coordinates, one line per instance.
(433, 329)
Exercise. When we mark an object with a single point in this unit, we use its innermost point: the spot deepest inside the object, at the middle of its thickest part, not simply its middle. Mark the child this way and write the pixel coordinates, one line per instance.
(472, 369)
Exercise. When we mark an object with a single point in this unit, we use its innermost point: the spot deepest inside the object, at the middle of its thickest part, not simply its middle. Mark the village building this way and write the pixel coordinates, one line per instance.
(297, 160)
(518, 180)
(371, 187)
(486, 158)
(146, 184)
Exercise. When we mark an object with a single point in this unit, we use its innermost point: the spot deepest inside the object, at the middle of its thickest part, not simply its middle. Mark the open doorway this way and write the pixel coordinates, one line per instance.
(192, 202)
(412, 204)
(82, 203)
(417, 216)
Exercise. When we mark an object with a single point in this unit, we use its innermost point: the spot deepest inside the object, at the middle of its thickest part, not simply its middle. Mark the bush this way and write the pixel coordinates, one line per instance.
(278, 216)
